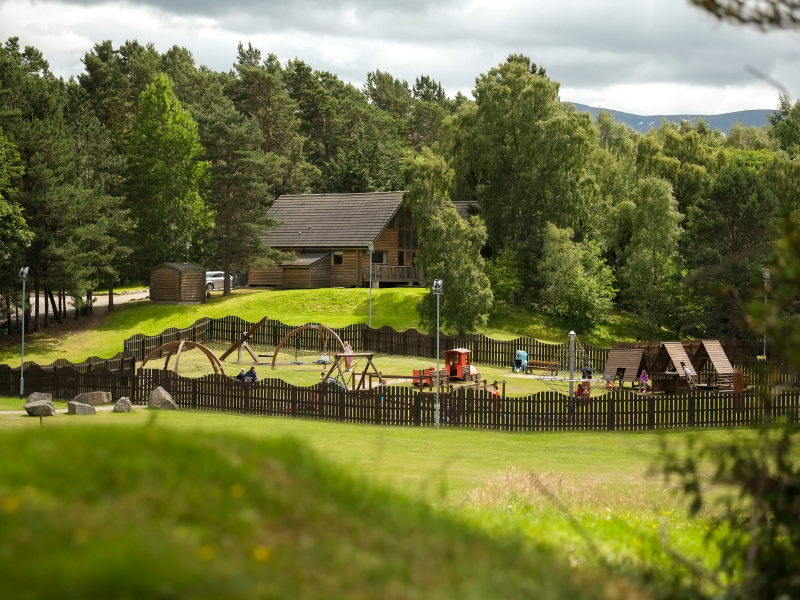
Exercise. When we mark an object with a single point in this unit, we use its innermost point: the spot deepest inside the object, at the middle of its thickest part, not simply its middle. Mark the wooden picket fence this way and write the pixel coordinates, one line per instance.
(362, 338)
(122, 363)
(621, 410)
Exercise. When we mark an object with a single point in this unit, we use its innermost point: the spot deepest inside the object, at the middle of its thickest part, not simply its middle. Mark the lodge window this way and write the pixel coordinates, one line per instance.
(338, 258)
(380, 258)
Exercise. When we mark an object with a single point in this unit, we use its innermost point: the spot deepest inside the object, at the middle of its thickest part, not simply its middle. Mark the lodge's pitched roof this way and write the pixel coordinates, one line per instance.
(331, 220)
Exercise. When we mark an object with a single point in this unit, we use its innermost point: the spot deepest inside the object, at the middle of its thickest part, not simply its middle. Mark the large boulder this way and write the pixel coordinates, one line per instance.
(93, 398)
(123, 405)
(39, 396)
(79, 408)
(40, 408)
(161, 398)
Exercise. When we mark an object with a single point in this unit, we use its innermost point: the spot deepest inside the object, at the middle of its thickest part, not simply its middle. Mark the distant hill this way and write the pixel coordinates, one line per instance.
(723, 122)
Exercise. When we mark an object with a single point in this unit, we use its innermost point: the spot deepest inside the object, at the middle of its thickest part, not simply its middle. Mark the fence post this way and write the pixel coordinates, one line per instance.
(691, 406)
(651, 413)
(341, 404)
(194, 394)
(378, 403)
(417, 410)
(610, 414)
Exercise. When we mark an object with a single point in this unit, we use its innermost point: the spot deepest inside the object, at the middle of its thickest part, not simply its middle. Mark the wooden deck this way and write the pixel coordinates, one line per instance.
(394, 274)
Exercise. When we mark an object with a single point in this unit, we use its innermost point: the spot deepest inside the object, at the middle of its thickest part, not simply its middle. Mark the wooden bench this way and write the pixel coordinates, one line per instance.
(543, 365)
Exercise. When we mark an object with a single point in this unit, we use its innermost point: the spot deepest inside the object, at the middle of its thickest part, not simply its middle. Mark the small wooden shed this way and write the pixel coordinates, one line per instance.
(178, 283)
(625, 364)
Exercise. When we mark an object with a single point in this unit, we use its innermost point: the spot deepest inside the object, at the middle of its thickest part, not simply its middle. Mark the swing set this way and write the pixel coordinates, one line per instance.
(324, 334)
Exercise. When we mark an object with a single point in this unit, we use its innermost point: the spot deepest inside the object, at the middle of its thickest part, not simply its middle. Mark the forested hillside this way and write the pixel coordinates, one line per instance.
(148, 157)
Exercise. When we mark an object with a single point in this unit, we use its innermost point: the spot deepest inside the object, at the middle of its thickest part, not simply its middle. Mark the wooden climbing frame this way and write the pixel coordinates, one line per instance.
(177, 347)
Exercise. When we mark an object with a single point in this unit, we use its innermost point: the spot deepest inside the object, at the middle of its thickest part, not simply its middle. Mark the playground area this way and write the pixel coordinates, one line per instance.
(307, 370)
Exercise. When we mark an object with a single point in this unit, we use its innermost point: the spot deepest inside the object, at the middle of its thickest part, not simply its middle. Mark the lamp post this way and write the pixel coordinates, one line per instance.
(437, 290)
(571, 363)
(371, 249)
(23, 275)
(765, 275)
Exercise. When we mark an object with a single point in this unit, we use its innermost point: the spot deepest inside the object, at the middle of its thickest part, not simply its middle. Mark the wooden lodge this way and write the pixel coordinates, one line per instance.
(178, 283)
(329, 235)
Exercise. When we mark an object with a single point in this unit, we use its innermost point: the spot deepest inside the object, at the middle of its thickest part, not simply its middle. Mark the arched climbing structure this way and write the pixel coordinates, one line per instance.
(322, 333)
(178, 346)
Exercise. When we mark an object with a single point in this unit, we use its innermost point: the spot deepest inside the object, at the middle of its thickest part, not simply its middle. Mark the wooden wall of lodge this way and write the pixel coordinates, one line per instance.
(544, 411)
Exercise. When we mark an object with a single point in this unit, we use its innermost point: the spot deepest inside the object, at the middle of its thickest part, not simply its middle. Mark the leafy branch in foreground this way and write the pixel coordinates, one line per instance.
(766, 14)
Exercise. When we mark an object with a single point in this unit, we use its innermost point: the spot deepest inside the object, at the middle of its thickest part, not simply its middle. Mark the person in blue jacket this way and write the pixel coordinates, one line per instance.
(251, 375)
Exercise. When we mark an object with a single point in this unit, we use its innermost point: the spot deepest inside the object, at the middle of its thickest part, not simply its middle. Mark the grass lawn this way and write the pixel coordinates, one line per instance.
(145, 512)
(441, 466)
(483, 478)
(333, 307)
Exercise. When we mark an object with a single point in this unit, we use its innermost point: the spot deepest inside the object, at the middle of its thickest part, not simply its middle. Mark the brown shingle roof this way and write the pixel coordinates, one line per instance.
(466, 209)
(331, 220)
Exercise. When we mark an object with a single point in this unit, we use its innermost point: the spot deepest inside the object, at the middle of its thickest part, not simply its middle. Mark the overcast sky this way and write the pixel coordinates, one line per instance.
(641, 56)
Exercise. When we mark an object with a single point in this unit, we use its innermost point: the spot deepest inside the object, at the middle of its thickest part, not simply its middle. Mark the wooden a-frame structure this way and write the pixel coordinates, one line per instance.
(339, 357)
(243, 345)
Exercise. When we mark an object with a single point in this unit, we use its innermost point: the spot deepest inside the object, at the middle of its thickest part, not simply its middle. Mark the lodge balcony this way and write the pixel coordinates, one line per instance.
(394, 274)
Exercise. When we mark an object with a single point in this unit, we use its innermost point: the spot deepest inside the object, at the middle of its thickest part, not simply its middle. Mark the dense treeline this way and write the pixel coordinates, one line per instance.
(146, 157)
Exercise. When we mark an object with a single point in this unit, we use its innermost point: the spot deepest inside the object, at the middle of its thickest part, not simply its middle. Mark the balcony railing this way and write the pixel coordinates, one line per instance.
(394, 274)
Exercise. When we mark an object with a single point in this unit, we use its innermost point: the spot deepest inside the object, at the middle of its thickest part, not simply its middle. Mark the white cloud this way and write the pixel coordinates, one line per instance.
(646, 56)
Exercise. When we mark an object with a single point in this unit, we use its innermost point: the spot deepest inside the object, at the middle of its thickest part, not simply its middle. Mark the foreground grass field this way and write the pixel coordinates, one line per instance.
(333, 307)
(490, 481)
(143, 512)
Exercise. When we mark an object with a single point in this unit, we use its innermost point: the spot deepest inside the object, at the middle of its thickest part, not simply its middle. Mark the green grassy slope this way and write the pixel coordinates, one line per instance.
(333, 307)
(141, 513)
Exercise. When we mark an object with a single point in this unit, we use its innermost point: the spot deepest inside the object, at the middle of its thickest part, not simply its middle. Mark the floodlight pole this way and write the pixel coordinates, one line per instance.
(765, 275)
(371, 249)
(571, 363)
(23, 275)
(437, 290)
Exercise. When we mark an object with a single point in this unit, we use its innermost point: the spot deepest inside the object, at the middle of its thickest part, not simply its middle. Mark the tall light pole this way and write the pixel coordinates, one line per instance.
(23, 275)
(438, 288)
(371, 249)
(765, 275)
(571, 363)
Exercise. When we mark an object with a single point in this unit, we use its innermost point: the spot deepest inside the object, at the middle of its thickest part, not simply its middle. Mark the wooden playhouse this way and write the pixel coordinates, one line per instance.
(178, 283)
(625, 364)
(667, 369)
(723, 376)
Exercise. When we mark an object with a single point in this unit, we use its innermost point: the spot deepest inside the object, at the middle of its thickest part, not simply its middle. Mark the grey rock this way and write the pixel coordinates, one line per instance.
(78, 408)
(93, 398)
(123, 405)
(161, 398)
(40, 408)
(39, 396)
